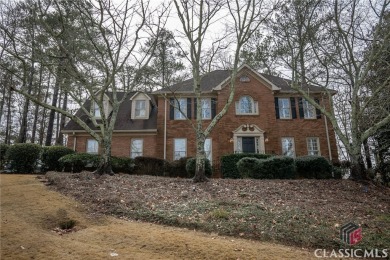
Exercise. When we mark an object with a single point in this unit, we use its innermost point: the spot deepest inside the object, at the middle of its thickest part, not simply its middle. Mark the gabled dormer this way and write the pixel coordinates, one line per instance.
(95, 110)
(140, 106)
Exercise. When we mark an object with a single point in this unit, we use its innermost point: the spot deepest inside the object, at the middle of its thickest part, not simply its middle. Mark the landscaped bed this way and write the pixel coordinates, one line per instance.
(304, 213)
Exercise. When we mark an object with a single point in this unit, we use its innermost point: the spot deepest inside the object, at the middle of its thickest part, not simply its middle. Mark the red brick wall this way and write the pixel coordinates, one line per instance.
(120, 144)
(274, 128)
(266, 120)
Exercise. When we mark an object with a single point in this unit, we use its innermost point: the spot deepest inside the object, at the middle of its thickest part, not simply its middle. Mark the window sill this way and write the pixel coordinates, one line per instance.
(255, 114)
(142, 118)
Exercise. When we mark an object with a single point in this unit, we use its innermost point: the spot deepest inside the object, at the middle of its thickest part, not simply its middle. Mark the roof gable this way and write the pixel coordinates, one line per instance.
(218, 79)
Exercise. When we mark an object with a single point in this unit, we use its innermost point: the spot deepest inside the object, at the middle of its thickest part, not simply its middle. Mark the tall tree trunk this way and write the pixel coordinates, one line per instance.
(9, 122)
(200, 172)
(36, 112)
(50, 125)
(358, 170)
(43, 119)
(60, 138)
(367, 154)
(58, 117)
(2, 100)
(105, 159)
(22, 138)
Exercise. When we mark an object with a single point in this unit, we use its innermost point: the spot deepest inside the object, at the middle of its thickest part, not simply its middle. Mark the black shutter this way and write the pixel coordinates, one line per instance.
(293, 108)
(195, 108)
(189, 108)
(213, 107)
(277, 107)
(171, 109)
(318, 112)
(300, 104)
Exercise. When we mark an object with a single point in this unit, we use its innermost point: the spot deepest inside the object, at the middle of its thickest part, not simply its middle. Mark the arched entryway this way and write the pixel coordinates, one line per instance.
(248, 138)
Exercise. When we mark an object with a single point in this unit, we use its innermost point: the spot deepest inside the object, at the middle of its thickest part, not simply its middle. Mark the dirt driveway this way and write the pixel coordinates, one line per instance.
(30, 213)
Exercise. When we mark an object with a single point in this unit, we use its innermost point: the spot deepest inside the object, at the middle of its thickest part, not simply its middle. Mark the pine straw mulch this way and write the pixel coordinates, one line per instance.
(305, 213)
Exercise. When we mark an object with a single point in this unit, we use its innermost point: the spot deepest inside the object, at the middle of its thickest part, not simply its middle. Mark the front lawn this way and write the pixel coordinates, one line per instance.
(304, 213)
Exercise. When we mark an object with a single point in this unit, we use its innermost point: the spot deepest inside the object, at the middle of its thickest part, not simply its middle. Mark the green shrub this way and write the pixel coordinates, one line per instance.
(277, 167)
(191, 166)
(150, 166)
(313, 167)
(122, 164)
(78, 162)
(51, 155)
(229, 163)
(3, 151)
(247, 167)
(178, 168)
(23, 157)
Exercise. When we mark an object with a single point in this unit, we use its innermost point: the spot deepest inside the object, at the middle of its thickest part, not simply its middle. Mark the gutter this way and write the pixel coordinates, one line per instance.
(165, 127)
(115, 131)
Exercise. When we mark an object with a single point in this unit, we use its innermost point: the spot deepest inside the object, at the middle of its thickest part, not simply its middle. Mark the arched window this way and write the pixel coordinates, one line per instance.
(246, 105)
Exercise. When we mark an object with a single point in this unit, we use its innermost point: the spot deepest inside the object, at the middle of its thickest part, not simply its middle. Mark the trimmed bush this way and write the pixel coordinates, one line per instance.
(229, 163)
(51, 155)
(122, 164)
(277, 167)
(177, 168)
(78, 162)
(23, 157)
(191, 166)
(247, 167)
(313, 167)
(150, 166)
(3, 151)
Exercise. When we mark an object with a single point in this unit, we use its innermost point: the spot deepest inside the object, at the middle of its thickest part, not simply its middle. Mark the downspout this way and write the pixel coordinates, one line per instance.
(165, 126)
(327, 134)
(74, 142)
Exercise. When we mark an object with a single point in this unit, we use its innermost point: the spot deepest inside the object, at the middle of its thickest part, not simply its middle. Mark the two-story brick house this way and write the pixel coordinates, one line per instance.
(267, 116)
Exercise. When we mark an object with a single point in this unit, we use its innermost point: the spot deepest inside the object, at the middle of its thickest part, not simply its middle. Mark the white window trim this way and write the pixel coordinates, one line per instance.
(182, 111)
(201, 102)
(281, 108)
(140, 97)
(293, 146)
(131, 147)
(318, 146)
(255, 107)
(307, 106)
(174, 148)
(96, 143)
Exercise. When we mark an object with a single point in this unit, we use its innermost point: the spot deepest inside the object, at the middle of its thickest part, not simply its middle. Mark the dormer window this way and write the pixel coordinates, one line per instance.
(96, 110)
(140, 106)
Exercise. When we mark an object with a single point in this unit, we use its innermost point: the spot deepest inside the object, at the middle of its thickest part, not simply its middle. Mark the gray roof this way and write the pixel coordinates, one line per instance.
(212, 79)
(123, 121)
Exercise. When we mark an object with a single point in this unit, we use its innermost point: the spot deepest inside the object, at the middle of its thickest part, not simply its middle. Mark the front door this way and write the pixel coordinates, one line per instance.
(248, 145)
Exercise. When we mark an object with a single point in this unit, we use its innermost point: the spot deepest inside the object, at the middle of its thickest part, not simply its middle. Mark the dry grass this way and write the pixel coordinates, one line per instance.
(304, 213)
(30, 214)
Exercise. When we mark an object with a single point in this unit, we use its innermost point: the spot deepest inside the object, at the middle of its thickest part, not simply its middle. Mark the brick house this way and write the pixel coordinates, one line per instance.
(266, 116)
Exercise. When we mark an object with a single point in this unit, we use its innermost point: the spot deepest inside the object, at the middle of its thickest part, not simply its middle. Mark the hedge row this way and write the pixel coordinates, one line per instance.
(23, 158)
(277, 167)
(283, 167)
(229, 163)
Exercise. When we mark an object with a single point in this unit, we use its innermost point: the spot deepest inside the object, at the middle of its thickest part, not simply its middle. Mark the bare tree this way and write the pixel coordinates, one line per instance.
(110, 38)
(196, 18)
(334, 54)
